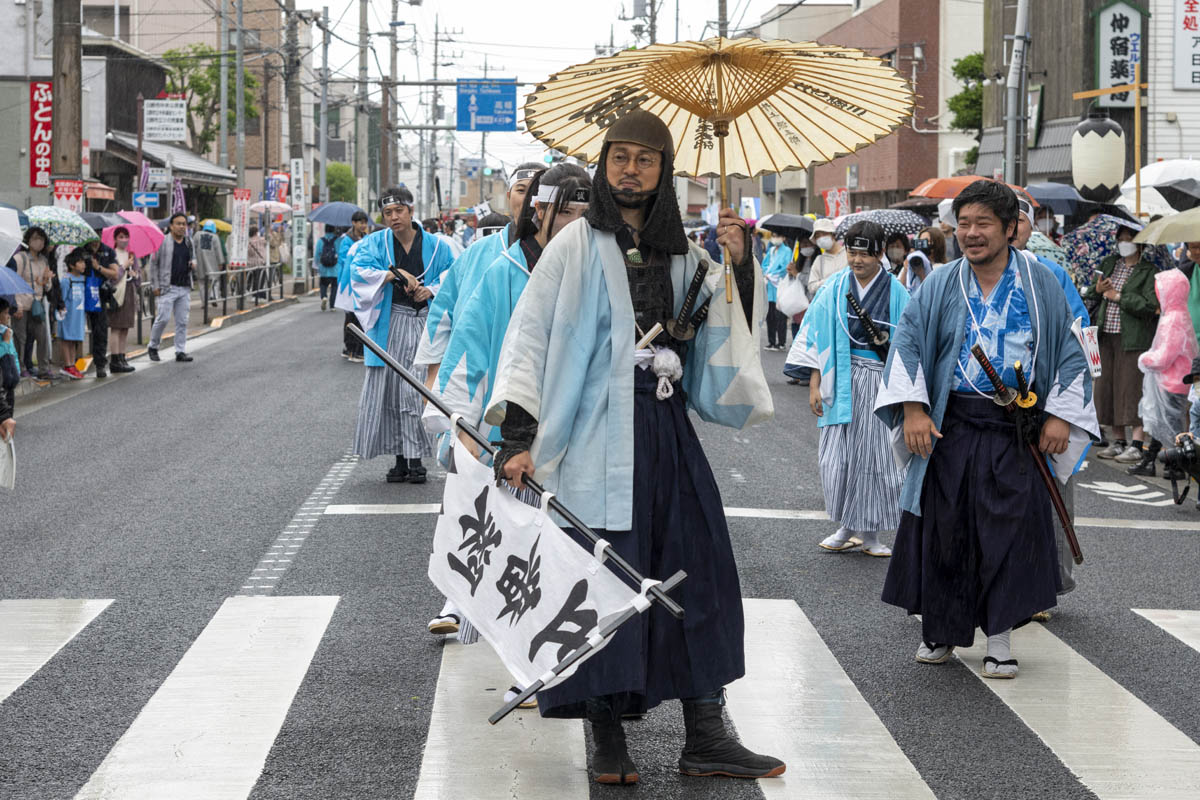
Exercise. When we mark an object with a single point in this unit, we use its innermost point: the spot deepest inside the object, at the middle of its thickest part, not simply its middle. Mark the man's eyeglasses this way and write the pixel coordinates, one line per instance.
(644, 161)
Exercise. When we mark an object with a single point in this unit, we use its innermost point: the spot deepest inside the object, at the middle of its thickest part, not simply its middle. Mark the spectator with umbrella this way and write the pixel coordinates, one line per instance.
(31, 325)
(122, 313)
(101, 267)
(71, 311)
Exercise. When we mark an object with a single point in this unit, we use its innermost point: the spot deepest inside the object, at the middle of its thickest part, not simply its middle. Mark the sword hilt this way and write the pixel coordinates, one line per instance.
(1004, 395)
(878, 337)
(681, 327)
(1025, 398)
(701, 314)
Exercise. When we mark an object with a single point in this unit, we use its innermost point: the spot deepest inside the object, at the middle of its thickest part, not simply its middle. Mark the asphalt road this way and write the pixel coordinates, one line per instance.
(163, 491)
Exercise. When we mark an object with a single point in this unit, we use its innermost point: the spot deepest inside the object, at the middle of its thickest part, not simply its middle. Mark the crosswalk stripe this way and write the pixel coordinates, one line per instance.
(1183, 625)
(1112, 741)
(32, 631)
(521, 756)
(798, 704)
(208, 729)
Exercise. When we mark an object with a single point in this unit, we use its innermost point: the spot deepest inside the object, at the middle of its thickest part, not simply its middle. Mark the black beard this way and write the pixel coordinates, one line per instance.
(626, 198)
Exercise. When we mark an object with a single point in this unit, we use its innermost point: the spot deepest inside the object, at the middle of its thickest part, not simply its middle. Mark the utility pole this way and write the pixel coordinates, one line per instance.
(291, 78)
(483, 144)
(223, 130)
(239, 102)
(66, 132)
(324, 137)
(392, 176)
(677, 20)
(1014, 101)
(722, 18)
(452, 193)
(385, 143)
(427, 185)
(266, 126)
(654, 21)
(361, 127)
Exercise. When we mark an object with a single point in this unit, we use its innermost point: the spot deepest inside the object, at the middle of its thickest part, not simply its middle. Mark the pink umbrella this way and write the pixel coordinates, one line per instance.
(144, 235)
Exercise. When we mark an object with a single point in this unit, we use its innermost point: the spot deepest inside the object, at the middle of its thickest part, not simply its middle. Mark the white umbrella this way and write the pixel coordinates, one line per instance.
(10, 233)
(270, 207)
(1153, 174)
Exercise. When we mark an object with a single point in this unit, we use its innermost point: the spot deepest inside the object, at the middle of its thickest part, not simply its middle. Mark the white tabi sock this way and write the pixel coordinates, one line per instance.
(448, 609)
(837, 539)
(999, 647)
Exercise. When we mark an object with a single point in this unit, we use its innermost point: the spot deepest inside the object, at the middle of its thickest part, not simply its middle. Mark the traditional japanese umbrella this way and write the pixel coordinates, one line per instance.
(1042, 245)
(781, 105)
(892, 220)
(1182, 194)
(1182, 227)
(270, 207)
(61, 226)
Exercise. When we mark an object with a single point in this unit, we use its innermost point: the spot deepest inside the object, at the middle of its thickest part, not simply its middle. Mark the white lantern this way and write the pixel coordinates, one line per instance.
(1098, 159)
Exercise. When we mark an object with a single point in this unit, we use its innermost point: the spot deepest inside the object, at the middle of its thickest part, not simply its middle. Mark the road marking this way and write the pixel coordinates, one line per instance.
(206, 732)
(797, 703)
(522, 756)
(1112, 741)
(770, 513)
(1138, 494)
(32, 631)
(1183, 625)
(301, 524)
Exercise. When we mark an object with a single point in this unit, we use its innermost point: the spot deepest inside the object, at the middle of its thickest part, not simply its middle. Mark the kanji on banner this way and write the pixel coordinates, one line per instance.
(68, 194)
(239, 239)
(530, 590)
(837, 202)
(41, 110)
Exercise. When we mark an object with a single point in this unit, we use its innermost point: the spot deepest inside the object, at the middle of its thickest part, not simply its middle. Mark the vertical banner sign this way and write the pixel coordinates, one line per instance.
(41, 109)
(68, 194)
(1186, 26)
(239, 239)
(299, 246)
(1118, 49)
(361, 193)
(837, 202)
(299, 187)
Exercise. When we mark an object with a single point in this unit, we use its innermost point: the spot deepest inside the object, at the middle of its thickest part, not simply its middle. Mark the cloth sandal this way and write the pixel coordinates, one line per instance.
(878, 550)
(1012, 662)
(848, 544)
(939, 660)
(444, 625)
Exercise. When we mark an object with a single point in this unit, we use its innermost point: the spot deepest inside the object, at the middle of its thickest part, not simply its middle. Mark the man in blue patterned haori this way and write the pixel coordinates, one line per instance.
(976, 542)
(603, 424)
(860, 478)
(393, 275)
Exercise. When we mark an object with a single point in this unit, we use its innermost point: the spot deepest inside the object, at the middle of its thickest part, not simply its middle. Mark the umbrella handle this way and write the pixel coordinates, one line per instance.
(721, 132)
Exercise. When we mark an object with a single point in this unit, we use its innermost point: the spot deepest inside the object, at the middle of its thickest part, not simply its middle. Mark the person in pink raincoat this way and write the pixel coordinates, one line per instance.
(1164, 365)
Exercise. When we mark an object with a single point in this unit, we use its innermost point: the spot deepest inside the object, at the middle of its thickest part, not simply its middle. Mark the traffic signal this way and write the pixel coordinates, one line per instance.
(487, 171)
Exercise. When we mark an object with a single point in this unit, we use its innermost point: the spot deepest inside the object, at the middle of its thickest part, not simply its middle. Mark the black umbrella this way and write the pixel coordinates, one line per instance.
(99, 221)
(1061, 198)
(1182, 194)
(791, 225)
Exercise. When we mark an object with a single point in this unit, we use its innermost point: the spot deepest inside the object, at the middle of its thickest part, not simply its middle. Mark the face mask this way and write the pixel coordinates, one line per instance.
(776, 240)
(1045, 224)
(1126, 249)
(807, 251)
(824, 242)
(895, 254)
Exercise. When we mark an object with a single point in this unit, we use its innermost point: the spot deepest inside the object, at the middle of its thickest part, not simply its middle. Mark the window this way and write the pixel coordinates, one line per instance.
(406, 165)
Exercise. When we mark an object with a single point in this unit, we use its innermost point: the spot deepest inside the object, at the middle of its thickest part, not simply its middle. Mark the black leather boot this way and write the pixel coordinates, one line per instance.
(610, 762)
(118, 364)
(416, 471)
(101, 368)
(1146, 467)
(710, 750)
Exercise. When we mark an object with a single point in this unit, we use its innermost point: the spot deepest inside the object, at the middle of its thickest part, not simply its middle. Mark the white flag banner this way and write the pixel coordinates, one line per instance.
(528, 588)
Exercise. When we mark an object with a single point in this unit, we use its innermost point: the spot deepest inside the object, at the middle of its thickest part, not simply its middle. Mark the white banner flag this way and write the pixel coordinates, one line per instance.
(239, 239)
(529, 589)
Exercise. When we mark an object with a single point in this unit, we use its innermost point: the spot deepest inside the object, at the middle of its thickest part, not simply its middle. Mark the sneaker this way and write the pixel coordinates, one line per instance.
(72, 373)
(324, 304)
(356, 359)
(1112, 451)
(345, 354)
(152, 352)
(1130, 455)
(183, 356)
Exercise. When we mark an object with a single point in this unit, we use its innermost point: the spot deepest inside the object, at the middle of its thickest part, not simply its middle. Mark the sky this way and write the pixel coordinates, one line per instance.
(524, 39)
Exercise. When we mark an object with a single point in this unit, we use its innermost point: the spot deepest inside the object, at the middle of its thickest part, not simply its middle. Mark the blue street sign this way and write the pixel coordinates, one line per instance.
(487, 105)
(145, 199)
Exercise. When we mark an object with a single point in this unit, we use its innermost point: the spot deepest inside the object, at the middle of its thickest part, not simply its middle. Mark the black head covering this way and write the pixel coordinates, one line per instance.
(663, 227)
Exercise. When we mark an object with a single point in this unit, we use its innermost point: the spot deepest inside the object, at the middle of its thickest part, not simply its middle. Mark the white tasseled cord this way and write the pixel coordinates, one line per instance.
(668, 369)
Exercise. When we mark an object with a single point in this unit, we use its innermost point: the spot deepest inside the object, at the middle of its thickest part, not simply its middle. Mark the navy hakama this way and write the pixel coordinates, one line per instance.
(983, 553)
(679, 523)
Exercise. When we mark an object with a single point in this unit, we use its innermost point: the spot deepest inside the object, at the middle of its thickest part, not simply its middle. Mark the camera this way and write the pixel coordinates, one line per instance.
(922, 245)
(1182, 458)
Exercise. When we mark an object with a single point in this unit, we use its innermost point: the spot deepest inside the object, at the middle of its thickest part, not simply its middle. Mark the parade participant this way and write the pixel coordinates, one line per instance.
(860, 478)
(975, 546)
(352, 348)
(556, 197)
(605, 427)
(460, 281)
(391, 307)
(774, 267)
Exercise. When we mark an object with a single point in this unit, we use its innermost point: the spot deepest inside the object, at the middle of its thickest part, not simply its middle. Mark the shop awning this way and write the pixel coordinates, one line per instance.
(185, 165)
(95, 190)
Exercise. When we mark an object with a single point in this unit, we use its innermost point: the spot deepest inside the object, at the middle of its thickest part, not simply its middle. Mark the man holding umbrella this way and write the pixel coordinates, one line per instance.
(591, 396)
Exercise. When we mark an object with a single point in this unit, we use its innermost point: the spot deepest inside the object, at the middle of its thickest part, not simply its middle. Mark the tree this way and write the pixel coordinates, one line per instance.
(967, 105)
(195, 73)
(340, 180)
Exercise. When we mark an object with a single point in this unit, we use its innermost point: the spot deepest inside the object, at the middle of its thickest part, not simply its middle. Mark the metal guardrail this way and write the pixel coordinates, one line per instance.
(243, 285)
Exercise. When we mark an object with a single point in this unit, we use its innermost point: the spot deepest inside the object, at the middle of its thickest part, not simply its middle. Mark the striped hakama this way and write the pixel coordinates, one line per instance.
(859, 475)
(389, 411)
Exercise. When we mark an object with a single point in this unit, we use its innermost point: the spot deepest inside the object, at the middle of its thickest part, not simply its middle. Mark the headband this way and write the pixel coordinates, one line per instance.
(521, 175)
(395, 199)
(1026, 208)
(548, 194)
(872, 246)
(490, 230)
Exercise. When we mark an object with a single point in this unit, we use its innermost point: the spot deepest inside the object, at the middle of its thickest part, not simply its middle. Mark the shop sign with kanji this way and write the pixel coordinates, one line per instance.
(1119, 43)
(1185, 28)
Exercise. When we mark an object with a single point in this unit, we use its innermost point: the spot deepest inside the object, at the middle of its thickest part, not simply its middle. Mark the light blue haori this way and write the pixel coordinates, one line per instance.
(568, 360)
(823, 341)
(371, 292)
(774, 267)
(923, 364)
(469, 365)
(457, 285)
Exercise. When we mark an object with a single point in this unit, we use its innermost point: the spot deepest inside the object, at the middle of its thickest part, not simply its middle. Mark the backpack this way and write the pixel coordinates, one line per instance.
(329, 255)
